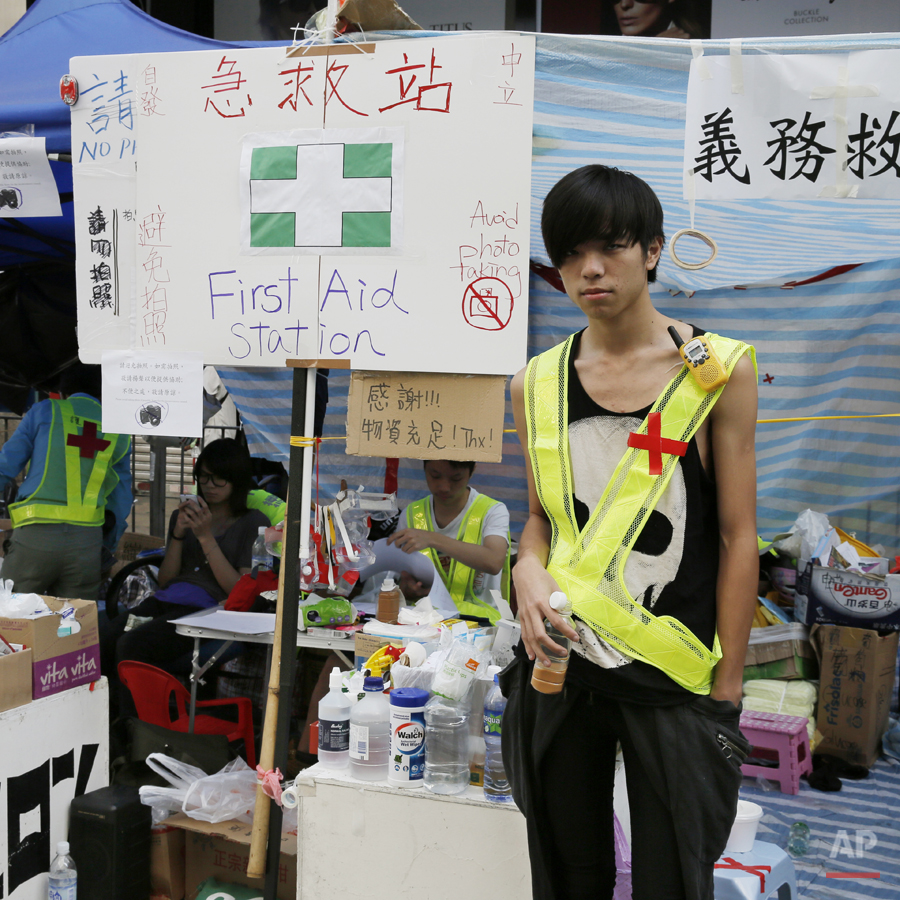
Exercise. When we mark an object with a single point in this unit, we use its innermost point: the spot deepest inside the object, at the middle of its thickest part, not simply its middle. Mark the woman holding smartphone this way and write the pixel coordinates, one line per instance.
(209, 547)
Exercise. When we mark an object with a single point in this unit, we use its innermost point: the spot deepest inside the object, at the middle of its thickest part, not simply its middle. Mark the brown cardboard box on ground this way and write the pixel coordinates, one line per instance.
(58, 663)
(780, 651)
(167, 862)
(15, 679)
(222, 850)
(855, 689)
(130, 545)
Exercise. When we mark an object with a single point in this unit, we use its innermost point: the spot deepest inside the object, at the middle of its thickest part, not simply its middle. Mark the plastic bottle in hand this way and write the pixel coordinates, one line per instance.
(496, 785)
(370, 733)
(261, 559)
(550, 679)
(388, 602)
(447, 744)
(63, 882)
(334, 724)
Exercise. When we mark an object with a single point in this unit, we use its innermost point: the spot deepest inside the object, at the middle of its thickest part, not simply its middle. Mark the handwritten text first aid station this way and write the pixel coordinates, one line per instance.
(369, 202)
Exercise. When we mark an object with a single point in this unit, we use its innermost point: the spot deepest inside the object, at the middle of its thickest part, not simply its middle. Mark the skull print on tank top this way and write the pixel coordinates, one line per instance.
(673, 566)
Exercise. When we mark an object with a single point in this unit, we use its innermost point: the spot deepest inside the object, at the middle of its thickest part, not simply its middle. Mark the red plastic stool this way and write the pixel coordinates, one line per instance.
(782, 739)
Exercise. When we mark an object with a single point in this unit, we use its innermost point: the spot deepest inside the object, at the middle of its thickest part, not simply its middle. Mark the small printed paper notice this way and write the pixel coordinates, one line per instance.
(153, 393)
(426, 416)
(27, 185)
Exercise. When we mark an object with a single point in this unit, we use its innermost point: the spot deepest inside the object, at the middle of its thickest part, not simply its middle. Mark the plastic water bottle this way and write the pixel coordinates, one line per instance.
(550, 679)
(496, 784)
(63, 875)
(370, 733)
(446, 745)
(261, 559)
(334, 724)
(798, 839)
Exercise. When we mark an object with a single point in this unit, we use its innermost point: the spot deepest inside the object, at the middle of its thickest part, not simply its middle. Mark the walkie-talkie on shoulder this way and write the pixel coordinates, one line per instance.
(701, 360)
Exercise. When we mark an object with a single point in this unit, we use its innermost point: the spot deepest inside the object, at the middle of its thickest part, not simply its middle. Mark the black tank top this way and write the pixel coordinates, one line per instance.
(673, 565)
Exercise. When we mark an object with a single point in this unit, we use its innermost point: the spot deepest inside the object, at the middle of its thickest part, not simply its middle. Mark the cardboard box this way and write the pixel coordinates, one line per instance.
(780, 651)
(132, 543)
(836, 597)
(15, 679)
(58, 663)
(364, 645)
(426, 416)
(222, 850)
(855, 690)
(167, 862)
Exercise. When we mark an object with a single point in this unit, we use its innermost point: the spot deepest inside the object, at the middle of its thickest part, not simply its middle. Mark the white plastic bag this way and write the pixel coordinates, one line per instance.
(229, 794)
(165, 800)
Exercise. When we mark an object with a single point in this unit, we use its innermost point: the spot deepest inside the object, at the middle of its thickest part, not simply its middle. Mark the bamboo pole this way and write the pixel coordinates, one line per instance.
(256, 866)
(274, 750)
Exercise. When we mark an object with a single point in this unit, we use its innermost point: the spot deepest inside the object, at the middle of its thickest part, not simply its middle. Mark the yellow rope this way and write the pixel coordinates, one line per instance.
(297, 441)
(823, 418)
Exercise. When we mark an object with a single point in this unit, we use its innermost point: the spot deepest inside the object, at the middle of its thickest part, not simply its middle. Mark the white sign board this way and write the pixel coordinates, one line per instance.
(153, 393)
(27, 185)
(793, 127)
(368, 202)
(51, 751)
(788, 18)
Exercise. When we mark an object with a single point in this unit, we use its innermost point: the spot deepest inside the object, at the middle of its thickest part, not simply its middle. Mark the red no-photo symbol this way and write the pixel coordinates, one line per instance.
(488, 304)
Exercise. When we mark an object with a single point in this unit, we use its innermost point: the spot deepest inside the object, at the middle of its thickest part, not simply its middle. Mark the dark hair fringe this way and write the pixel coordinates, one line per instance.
(229, 459)
(600, 203)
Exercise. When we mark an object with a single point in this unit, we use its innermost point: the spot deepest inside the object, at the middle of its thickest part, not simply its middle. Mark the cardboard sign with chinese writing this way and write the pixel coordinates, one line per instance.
(417, 416)
(793, 127)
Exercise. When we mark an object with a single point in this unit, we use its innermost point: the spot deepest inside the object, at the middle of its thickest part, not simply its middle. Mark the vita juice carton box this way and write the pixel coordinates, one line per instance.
(58, 663)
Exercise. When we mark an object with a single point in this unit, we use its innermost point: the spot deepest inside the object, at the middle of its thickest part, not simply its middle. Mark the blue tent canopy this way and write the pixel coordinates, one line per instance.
(34, 55)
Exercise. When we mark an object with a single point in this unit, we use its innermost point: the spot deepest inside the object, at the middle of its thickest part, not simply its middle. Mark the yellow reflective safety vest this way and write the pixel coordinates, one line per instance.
(78, 470)
(460, 579)
(589, 564)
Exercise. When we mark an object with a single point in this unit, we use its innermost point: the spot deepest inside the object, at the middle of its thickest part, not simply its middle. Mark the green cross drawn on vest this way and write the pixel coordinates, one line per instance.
(655, 444)
(87, 442)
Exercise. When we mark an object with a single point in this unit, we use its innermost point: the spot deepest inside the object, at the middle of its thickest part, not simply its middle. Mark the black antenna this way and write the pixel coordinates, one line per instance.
(675, 336)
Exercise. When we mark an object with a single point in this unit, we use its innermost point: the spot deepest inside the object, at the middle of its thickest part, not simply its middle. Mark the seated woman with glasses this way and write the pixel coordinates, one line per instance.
(209, 547)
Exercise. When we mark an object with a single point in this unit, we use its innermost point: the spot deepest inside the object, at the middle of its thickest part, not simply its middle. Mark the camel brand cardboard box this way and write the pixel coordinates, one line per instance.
(58, 663)
(838, 597)
(222, 850)
(855, 690)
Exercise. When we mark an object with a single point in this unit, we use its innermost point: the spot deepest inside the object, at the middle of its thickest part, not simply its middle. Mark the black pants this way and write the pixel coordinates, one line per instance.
(683, 766)
(577, 773)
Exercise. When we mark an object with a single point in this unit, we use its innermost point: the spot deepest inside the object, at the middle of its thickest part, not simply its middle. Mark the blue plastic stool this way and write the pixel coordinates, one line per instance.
(759, 873)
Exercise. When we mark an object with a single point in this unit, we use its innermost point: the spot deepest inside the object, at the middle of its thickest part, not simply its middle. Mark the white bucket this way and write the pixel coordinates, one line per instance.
(743, 832)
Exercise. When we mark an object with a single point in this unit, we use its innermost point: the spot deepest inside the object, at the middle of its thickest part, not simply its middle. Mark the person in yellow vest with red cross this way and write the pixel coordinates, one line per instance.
(466, 535)
(642, 511)
(78, 481)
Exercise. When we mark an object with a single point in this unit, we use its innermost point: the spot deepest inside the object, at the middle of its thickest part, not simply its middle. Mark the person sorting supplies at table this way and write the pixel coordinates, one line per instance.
(466, 535)
(642, 506)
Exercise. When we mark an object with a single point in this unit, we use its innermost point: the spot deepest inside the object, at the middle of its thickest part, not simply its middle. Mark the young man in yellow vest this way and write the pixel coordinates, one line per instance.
(78, 477)
(466, 535)
(642, 510)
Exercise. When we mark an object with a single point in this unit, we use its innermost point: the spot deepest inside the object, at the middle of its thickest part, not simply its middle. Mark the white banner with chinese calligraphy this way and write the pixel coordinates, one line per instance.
(326, 202)
(793, 127)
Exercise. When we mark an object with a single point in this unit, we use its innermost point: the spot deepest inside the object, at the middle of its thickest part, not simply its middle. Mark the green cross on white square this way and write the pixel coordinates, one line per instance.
(321, 195)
